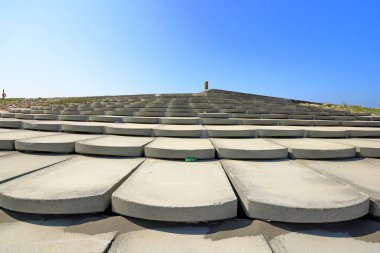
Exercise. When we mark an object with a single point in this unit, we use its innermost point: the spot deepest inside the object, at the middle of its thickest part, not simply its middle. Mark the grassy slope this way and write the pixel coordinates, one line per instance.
(346, 107)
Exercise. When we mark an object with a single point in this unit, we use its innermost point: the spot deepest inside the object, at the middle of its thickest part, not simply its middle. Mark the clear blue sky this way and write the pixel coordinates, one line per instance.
(327, 51)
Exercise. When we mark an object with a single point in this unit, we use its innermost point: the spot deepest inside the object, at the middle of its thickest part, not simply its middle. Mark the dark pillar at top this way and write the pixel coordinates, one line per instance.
(206, 85)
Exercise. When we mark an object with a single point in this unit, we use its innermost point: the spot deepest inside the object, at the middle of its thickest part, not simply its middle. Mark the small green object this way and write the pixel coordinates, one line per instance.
(190, 159)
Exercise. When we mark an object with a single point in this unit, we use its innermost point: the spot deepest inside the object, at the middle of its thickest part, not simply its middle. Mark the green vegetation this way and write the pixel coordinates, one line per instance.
(347, 107)
(63, 101)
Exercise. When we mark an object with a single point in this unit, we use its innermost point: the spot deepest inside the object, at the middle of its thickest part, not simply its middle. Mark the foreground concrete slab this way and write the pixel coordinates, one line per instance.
(365, 148)
(180, 148)
(186, 240)
(289, 192)
(58, 143)
(325, 242)
(309, 148)
(34, 238)
(194, 131)
(7, 139)
(113, 145)
(131, 129)
(364, 174)
(248, 149)
(17, 164)
(79, 185)
(3, 153)
(230, 131)
(152, 192)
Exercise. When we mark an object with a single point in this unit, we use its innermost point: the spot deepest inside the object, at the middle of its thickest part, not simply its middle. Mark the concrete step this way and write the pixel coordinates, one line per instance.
(58, 143)
(85, 127)
(363, 174)
(188, 239)
(364, 148)
(180, 121)
(7, 139)
(78, 185)
(279, 131)
(359, 132)
(230, 131)
(53, 126)
(289, 192)
(113, 146)
(309, 148)
(15, 164)
(180, 148)
(152, 192)
(194, 131)
(324, 132)
(10, 123)
(248, 149)
(131, 129)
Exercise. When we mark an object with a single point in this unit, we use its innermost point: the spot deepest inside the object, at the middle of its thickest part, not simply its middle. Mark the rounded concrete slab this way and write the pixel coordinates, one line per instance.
(113, 145)
(325, 132)
(230, 131)
(58, 143)
(85, 127)
(363, 174)
(10, 123)
(54, 126)
(194, 131)
(131, 129)
(79, 185)
(180, 148)
(362, 131)
(322, 242)
(7, 139)
(144, 120)
(308, 148)
(176, 191)
(17, 164)
(248, 149)
(185, 240)
(365, 148)
(279, 131)
(289, 192)
(180, 120)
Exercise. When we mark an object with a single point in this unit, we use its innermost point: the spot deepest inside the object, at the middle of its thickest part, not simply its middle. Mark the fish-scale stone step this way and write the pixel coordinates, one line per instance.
(53, 126)
(7, 139)
(131, 129)
(10, 123)
(363, 174)
(113, 145)
(180, 148)
(85, 127)
(58, 143)
(287, 191)
(17, 164)
(309, 148)
(279, 131)
(230, 131)
(193, 131)
(78, 185)
(324, 132)
(364, 147)
(248, 149)
(176, 191)
(359, 132)
(186, 240)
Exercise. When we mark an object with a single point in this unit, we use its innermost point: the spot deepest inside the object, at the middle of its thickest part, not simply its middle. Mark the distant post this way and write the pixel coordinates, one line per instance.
(4, 95)
(206, 85)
